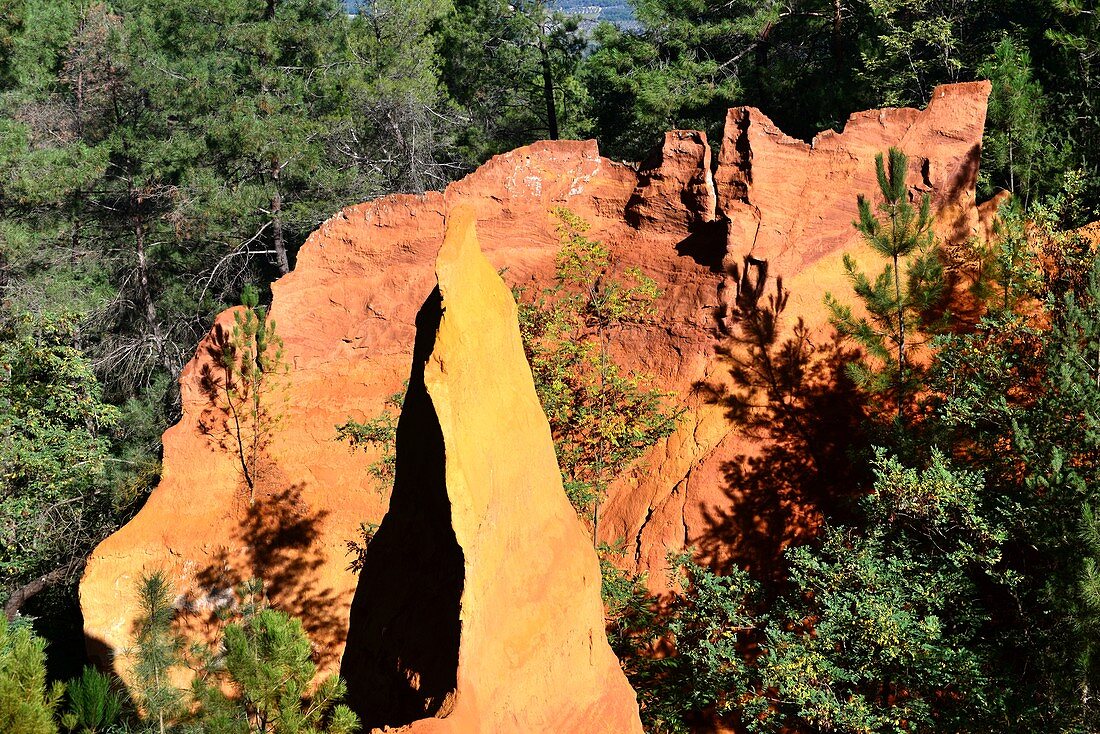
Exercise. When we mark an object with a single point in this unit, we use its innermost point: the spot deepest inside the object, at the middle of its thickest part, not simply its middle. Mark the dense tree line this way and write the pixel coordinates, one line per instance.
(956, 590)
(157, 158)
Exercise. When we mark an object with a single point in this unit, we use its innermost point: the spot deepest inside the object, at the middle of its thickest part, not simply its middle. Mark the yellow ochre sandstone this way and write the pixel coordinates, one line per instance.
(532, 653)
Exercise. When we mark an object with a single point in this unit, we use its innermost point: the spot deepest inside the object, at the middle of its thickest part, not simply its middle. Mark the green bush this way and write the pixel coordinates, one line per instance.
(27, 702)
(93, 706)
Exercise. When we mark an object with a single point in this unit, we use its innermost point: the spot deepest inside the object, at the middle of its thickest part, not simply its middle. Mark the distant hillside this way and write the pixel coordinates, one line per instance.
(613, 11)
(618, 12)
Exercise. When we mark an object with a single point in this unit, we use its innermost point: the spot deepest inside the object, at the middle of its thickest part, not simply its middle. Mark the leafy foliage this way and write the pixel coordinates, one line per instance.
(380, 431)
(156, 158)
(55, 500)
(602, 419)
(876, 626)
(357, 548)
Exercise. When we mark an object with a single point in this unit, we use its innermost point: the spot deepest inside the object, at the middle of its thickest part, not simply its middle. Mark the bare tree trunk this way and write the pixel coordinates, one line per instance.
(548, 89)
(77, 223)
(838, 47)
(144, 292)
(277, 223)
(1011, 170)
(901, 339)
(24, 593)
(5, 278)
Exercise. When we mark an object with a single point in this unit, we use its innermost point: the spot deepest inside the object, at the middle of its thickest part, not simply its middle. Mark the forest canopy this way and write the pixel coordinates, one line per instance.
(160, 160)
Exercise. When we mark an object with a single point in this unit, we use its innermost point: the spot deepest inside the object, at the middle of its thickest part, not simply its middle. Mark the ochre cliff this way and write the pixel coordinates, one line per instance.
(726, 481)
(476, 469)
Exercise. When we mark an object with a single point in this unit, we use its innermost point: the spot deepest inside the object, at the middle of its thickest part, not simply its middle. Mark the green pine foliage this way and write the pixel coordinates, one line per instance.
(1087, 617)
(258, 678)
(27, 700)
(158, 651)
(810, 63)
(510, 69)
(252, 361)
(267, 662)
(158, 157)
(1009, 278)
(1016, 142)
(900, 299)
(94, 707)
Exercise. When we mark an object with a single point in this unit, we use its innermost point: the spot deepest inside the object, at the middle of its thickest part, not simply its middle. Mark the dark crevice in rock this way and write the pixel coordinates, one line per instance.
(401, 659)
(706, 244)
(740, 158)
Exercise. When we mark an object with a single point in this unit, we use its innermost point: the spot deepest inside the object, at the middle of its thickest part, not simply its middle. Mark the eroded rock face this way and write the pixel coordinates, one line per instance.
(731, 481)
(474, 449)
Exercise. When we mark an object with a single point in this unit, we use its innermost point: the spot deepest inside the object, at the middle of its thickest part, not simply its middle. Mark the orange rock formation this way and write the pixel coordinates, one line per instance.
(476, 470)
(735, 480)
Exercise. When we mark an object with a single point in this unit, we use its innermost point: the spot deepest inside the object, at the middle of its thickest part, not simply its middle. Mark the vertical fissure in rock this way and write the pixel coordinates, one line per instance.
(401, 658)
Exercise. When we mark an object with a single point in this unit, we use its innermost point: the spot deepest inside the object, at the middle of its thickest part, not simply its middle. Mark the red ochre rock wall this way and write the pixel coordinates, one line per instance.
(725, 482)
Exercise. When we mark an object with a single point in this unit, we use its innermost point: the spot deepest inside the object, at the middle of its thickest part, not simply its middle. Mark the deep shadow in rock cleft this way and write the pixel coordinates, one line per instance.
(401, 658)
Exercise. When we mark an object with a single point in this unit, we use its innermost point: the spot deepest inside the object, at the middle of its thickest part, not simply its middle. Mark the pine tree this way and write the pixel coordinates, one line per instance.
(1014, 139)
(267, 662)
(157, 652)
(250, 360)
(898, 303)
(510, 67)
(1088, 609)
(27, 702)
(93, 706)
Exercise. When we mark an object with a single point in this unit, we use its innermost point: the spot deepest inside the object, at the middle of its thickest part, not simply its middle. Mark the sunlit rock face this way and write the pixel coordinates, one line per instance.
(479, 604)
(735, 481)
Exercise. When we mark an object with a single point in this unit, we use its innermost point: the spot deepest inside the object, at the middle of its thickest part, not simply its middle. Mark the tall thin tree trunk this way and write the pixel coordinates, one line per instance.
(838, 47)
(144, 292)
(238, 431)
(1011, 170)
(901, 338)
(77, 223)
(277, 223)
(548, 89)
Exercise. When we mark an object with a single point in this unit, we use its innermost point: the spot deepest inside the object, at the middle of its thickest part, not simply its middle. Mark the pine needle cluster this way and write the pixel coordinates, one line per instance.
(899, 299)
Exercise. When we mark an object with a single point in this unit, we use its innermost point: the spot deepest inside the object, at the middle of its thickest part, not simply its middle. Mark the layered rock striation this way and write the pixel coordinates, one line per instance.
(733, 481)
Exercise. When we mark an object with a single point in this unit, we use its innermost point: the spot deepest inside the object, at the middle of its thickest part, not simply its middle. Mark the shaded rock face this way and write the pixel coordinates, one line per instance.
(735, 481)
(532, 655)
(401, 660)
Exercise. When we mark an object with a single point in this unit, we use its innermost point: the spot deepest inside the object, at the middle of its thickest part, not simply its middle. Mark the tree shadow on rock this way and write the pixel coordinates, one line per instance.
(212, 384)
(278, 539)
(790, 396)
(401, 659)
